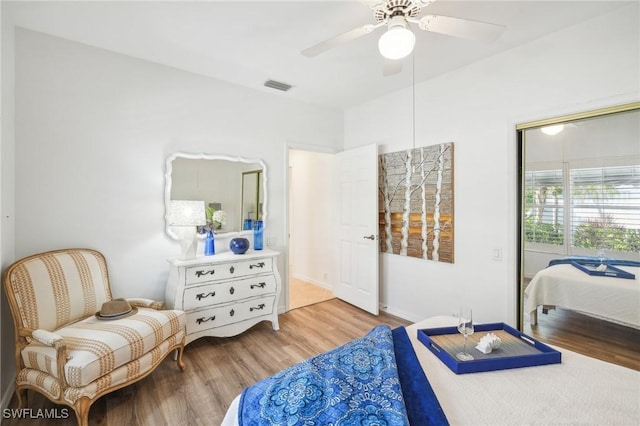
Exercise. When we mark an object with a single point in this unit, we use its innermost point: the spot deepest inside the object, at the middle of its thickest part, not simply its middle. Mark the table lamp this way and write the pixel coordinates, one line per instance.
(184, 217)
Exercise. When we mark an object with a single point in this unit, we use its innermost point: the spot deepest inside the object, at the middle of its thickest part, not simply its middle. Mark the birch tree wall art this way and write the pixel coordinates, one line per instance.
(415, 200)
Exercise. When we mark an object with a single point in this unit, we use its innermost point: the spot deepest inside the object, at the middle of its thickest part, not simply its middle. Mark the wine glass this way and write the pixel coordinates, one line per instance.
(465, 327)
(602, 258)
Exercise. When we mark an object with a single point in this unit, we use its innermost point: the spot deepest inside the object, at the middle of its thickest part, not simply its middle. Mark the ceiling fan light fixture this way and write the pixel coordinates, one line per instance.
(398, 41)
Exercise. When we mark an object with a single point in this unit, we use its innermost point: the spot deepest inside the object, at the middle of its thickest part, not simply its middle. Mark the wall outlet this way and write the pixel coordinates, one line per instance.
(496, 254)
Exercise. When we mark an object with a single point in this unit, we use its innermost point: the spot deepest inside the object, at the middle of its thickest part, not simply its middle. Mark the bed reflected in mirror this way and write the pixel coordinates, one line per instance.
(580, 205)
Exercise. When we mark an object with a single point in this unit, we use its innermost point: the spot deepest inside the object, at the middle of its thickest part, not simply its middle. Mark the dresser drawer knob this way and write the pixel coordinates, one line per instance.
(232, 312)
(261, 285)
(205, 319)
(232, 290)
(232, 270)
(258, 265)
(201, 296)
(257, 308)
(201, 273)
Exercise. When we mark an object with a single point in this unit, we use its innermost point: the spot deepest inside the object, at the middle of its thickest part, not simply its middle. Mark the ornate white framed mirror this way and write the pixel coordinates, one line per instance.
(218, 180)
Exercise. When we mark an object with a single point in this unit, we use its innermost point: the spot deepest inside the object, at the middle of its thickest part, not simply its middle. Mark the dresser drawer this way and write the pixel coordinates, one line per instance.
(229, 314)
(212, 294)
(225, 294)
(224, 271)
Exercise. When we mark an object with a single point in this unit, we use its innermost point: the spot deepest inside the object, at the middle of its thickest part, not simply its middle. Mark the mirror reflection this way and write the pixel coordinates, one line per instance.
(232, 188)
(580, 203)
(252, 198)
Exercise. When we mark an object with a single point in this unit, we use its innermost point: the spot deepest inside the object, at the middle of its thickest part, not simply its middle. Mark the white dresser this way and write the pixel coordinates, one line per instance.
(225, 294)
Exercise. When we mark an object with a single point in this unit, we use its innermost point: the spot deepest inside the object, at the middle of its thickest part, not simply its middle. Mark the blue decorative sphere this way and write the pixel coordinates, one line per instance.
(239, 245)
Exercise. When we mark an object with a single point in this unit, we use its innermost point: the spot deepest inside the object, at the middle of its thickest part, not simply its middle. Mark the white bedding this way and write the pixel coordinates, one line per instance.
(563, 285)
(580, 390)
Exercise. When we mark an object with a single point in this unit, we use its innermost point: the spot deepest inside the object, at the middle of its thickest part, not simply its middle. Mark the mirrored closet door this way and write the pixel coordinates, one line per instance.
(579, 220)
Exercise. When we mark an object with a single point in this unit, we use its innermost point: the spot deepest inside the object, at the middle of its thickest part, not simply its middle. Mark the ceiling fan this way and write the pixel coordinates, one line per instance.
(398, 41)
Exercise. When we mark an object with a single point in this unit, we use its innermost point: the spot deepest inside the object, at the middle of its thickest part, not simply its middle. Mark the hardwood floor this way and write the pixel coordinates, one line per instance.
(589, 336)
(302, 293)
(219, 368)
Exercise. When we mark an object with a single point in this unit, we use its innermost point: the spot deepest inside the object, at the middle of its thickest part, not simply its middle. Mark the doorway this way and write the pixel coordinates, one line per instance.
(311, 205)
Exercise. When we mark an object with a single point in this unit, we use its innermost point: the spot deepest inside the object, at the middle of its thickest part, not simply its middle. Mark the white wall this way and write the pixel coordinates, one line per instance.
(311, 221)
(93, 129)
(92, 132)
(592, 65)
(6, 202)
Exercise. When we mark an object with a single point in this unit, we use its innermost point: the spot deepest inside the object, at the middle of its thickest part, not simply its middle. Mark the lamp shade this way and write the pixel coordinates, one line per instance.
(398, 41)
(187, 213)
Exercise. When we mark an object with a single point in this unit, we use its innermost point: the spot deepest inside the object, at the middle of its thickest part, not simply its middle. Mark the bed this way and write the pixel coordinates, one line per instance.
(563, 285)
(579, 390)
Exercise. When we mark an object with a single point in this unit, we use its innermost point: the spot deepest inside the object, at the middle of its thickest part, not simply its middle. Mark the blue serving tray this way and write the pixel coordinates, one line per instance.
(611, 271)
(517, 349)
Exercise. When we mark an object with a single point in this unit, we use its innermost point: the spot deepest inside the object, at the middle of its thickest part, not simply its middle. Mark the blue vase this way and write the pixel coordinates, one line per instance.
(239, 245)
(209, 245)
(257, 235)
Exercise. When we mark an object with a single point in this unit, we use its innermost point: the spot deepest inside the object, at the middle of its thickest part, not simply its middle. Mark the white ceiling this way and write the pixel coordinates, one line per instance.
(247, 43)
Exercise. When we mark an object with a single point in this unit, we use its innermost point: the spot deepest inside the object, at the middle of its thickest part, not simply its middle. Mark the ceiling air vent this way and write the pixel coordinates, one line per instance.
(277, 85)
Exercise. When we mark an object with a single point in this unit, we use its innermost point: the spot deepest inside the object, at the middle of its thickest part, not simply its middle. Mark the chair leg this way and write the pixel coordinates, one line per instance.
(179, 360)
(21, 394)
(81, 407)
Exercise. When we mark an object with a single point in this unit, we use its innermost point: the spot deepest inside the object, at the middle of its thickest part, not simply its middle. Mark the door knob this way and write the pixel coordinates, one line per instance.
(370, 237)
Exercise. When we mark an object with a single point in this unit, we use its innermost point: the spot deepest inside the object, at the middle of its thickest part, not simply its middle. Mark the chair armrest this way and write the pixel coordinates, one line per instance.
(57, 342)
(48, 338)
(141, 302)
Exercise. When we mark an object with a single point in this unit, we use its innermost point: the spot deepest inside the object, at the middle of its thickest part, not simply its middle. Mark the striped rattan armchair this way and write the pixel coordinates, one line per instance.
(63, 350)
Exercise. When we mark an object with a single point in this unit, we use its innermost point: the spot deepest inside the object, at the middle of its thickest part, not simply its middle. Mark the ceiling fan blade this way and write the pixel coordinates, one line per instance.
(338, 40)
(391, 67)
(463, 28)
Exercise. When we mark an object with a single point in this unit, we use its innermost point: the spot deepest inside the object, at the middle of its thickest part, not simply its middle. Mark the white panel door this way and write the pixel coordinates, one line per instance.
(357, 230)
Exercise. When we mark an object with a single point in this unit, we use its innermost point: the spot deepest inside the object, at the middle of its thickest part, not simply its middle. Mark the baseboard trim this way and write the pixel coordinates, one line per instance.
(312, 281)
(399, 313)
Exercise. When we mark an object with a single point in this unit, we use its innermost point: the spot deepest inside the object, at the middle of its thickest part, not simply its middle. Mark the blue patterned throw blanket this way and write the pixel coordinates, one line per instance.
(354, 384)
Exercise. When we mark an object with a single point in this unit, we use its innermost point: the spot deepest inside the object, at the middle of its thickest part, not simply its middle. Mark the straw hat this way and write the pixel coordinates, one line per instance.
(115, 309)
